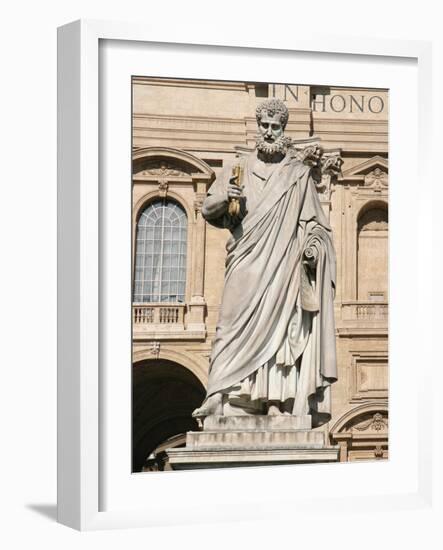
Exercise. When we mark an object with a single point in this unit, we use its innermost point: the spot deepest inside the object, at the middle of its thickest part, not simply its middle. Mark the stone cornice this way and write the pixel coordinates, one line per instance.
(189, 83)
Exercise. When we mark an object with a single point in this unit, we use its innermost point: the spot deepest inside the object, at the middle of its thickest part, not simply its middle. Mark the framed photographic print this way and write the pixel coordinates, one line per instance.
(232, 222)
(189, 137)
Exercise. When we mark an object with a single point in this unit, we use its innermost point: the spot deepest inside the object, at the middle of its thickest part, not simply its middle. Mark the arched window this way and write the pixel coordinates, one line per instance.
(160, 253)
(372, 259)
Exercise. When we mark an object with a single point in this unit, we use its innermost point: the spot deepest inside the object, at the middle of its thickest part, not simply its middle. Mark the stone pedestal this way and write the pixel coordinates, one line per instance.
(232, 441)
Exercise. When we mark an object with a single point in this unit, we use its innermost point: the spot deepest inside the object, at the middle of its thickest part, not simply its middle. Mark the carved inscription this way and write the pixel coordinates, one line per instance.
(325, 100)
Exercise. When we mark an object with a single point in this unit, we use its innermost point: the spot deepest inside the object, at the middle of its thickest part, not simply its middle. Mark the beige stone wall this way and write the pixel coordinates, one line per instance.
(184, 132)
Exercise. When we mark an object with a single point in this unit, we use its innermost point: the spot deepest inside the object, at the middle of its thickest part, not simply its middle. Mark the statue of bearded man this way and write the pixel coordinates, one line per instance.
(274, 347)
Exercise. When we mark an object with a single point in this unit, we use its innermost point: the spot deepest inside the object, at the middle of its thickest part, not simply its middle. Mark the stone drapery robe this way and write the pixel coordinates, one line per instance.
(276, 317)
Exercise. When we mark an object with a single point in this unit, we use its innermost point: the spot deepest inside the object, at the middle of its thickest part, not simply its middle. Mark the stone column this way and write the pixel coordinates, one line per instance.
(250, 122)
(343, 439)
(331, 163)
(197, 305)
(325, 195)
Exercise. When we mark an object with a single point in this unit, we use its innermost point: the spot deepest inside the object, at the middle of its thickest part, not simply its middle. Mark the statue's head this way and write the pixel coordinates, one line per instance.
(272, 108)
(272, 116)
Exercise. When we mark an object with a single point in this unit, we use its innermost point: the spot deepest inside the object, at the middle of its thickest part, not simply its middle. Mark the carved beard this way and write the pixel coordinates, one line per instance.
(278, 147)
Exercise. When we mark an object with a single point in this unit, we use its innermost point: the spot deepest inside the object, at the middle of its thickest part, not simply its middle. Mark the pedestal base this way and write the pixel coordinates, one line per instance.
(232, 441)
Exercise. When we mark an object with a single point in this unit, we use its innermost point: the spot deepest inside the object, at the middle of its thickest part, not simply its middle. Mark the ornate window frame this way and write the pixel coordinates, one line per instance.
(364, 189)
(185, 178)
(367, 184)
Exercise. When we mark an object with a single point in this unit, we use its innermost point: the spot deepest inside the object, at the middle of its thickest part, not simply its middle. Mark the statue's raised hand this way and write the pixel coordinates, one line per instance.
(234, 191)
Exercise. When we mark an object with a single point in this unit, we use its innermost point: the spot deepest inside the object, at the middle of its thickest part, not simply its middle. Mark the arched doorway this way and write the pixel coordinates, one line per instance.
(163, 398)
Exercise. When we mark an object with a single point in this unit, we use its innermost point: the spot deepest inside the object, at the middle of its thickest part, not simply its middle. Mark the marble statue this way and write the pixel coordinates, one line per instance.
(274, 347)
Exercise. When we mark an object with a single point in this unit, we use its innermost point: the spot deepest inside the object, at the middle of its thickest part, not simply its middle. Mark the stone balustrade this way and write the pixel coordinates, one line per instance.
(369, 311)
(158, 314)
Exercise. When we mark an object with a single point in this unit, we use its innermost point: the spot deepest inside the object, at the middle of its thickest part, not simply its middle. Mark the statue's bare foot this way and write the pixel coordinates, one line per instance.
(212, 405)
(273, 409)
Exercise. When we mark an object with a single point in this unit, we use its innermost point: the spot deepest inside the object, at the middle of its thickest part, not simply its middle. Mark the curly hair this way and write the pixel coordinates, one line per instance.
(273, 107)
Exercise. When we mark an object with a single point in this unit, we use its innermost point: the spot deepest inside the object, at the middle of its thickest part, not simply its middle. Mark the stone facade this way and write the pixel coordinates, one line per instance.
(184, 133)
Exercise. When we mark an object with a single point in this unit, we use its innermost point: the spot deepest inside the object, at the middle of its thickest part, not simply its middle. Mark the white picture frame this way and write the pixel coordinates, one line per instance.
(83, 397)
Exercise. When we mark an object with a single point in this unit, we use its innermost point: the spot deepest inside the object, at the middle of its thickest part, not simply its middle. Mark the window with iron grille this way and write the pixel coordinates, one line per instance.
(160, 253)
